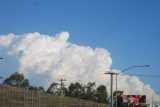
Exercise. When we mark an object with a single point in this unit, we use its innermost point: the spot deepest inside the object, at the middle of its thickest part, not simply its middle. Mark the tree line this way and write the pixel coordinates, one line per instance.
(77, 90)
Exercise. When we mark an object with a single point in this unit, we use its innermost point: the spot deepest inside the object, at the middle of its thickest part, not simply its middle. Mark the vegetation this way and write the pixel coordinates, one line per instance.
(101, 94)
(75, 90)
(17, 80)
(53, 89)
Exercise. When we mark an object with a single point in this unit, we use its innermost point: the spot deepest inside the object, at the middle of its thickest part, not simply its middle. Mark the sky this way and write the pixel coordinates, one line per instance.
(124, 33)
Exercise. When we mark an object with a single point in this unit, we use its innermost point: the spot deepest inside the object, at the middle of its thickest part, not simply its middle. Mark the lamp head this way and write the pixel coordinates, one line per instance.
(146, 65)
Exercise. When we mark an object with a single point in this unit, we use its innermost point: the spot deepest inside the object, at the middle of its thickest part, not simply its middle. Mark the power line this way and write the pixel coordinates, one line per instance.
(151, 76)
(91, 78)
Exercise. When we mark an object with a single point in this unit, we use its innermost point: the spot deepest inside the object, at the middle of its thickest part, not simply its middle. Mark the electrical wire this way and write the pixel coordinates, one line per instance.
(87, 80)
(150, 76)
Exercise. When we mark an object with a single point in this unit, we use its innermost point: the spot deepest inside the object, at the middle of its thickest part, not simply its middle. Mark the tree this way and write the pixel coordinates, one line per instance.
(53, 89)
(65, 91)
(75, 90)
(17, 80)
(40, 89)
(118, 92)
(90, 91)
(101, 94)
(33, 88)
(119, 97)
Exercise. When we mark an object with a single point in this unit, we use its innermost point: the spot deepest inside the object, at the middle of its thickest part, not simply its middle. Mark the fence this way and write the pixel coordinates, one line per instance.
(19, 97)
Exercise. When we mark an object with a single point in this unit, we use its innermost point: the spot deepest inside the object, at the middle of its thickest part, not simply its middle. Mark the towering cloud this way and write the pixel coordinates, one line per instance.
(44, 59)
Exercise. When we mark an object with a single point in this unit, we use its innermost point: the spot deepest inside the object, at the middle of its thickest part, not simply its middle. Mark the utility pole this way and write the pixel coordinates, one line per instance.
(62, 86)
(111, 73)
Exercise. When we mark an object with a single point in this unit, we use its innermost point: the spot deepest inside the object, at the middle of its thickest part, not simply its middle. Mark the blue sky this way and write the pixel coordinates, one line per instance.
(128, 29)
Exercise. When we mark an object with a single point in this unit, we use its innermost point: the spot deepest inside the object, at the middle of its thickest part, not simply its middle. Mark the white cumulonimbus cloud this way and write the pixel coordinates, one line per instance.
(44, 59)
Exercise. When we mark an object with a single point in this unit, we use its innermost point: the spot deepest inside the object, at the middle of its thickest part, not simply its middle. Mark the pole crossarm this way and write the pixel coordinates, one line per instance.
(112, 73)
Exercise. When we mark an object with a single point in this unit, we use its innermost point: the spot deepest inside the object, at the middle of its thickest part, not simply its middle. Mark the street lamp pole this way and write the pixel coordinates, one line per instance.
(127, 70)
(124, 71)
(113, 73)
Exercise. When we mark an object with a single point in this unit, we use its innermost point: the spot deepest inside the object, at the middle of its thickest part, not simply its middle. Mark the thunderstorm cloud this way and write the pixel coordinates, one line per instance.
(45, 59)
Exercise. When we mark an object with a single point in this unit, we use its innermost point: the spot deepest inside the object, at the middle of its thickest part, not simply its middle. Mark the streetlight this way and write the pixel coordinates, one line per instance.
(112, 73)
(153, 98)
(127, 70)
